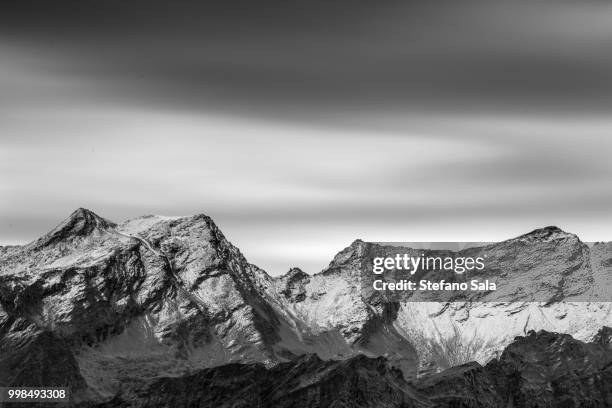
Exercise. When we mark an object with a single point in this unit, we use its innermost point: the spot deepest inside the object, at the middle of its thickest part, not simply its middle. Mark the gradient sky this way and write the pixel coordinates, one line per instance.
(301, 127)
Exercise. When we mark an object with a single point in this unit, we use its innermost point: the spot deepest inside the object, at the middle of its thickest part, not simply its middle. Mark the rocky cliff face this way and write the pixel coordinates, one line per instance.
(131, 301)
(542, 369)
(109, 309)
(547, 279)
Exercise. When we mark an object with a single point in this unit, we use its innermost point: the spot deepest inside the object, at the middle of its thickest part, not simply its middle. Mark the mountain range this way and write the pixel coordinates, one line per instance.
(165, 311)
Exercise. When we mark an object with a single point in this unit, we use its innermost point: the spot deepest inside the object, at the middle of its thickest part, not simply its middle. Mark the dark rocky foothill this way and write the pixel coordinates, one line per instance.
(539, 370)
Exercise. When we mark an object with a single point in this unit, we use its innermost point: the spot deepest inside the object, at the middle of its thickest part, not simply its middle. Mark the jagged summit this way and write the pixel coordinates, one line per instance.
(546, 234)
(550, 229)
(294, 272)
(80, 223)
(89, 217)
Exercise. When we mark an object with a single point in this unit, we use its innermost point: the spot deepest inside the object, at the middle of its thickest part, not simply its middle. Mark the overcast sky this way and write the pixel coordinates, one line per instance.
(299, 128)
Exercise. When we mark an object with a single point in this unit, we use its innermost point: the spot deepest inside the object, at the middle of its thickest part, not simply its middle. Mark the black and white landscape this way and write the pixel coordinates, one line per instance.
(319, 136)
(165, 311)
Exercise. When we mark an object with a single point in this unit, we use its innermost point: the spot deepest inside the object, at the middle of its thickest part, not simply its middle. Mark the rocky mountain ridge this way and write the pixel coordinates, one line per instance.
(541, 369)
(110, 308)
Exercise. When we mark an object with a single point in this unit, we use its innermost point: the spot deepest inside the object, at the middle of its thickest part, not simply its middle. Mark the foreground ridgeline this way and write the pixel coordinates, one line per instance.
(165, 311)
(539, 370)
